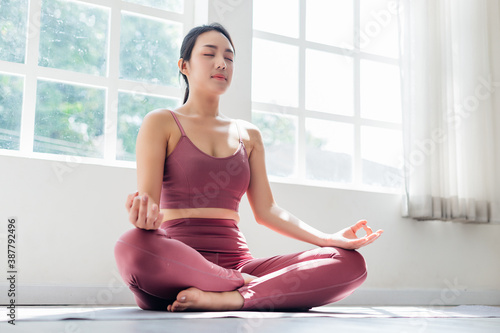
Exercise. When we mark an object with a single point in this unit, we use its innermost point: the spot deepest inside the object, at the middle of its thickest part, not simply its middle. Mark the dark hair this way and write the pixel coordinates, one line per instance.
(190, 40)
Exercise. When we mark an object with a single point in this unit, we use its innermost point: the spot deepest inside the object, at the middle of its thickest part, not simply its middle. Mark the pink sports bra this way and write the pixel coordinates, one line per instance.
(194, 179)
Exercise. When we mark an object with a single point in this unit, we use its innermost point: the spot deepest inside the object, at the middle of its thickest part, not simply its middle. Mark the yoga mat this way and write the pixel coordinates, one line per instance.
(56, 313)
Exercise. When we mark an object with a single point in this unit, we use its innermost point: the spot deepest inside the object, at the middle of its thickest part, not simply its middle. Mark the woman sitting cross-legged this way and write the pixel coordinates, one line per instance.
(193, 166)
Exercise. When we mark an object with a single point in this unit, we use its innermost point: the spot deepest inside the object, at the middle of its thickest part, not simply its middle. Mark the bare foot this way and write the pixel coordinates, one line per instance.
(196, 299)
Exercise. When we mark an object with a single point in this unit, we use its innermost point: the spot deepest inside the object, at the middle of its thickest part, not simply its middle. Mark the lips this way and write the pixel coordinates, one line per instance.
(219, 77)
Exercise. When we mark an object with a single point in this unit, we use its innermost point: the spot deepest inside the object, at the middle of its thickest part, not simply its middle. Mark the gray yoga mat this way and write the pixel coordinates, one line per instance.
(56, 313)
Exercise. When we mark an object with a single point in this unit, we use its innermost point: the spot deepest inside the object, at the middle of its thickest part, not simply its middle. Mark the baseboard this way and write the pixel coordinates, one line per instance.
(117, 294)
(121, 295)
(421, 297)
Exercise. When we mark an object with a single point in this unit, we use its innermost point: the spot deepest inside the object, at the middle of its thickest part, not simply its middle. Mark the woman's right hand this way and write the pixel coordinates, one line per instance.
(138, 214)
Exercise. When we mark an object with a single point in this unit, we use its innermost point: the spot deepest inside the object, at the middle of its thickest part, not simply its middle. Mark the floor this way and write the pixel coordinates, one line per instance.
(457, 319)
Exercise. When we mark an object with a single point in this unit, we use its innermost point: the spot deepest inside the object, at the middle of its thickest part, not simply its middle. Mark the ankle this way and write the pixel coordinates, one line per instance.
(231, 300)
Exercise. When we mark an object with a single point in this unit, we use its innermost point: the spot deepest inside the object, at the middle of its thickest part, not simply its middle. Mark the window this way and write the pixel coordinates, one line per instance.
(77, 77)
(326, 91)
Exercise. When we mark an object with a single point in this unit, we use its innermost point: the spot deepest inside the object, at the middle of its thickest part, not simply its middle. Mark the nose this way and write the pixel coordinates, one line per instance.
(221, 64)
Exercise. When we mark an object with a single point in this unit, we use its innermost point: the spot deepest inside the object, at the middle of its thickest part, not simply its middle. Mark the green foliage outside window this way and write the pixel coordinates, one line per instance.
(13, 18)
(69, 119)
(73, 37)
(149, 50)
(11, 102)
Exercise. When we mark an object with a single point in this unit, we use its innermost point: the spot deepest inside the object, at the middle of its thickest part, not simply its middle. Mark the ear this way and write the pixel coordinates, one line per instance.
(182, 66)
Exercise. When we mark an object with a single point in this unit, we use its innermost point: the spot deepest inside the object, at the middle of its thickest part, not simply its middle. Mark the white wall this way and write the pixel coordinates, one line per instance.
(68, 224)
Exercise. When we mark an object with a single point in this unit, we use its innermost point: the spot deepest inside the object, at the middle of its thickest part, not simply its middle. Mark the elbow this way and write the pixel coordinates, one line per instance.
(260, 219)
(263, 216)
(260, 216)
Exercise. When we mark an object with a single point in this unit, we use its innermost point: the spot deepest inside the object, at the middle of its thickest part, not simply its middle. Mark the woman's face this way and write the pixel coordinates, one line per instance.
(211, 65)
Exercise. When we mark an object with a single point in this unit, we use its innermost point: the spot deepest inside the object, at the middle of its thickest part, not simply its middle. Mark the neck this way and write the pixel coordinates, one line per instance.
(202, 105)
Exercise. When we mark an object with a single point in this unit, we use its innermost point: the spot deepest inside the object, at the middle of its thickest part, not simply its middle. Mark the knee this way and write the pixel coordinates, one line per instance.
(133, 245)
(352, 262)
(138, 236)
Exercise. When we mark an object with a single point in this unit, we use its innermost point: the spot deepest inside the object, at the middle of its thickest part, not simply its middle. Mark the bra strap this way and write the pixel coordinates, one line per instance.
(238, 128)
(178, 123)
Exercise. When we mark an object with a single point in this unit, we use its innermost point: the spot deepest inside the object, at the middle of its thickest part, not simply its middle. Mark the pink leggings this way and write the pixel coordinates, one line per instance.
(211, 254)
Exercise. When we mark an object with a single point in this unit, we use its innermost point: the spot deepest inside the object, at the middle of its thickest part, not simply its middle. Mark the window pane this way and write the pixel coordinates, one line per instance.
(329, 83)
(330, 22)
(381, 153)
(13, 18)
(329, 150)
(380, 91)
(170, 5)
(11, 104)
(279, 133)
(275, 77)
(69, 120)
(74, 36)
(264, 17)
(379, 27)
(131, 110)
(149, 50)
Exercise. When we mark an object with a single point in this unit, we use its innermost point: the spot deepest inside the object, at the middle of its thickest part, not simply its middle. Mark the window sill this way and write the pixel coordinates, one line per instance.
(339, 186)
(69, 159)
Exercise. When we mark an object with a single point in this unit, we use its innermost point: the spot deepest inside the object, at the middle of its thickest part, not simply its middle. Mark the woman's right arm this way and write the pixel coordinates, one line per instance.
(151, 146)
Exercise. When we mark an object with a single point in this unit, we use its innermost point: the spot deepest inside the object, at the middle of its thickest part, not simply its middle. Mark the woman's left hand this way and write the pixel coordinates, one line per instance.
(347, 239)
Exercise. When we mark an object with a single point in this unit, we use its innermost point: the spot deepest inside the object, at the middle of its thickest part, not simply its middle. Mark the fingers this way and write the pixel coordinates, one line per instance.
(152, 220)
(139, 215)
(134, 210)
(368, 230)
(143, 211)
(130, 200)
(360, 224)
(368, 239)
(363, 241)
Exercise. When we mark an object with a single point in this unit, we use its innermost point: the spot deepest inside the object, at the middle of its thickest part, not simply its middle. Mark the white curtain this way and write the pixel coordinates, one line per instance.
(450, 72)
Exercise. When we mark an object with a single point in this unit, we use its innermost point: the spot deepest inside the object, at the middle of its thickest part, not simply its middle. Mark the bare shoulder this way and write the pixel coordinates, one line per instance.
(250, 132)
(159, 120)
(158, 115)
(252, 137)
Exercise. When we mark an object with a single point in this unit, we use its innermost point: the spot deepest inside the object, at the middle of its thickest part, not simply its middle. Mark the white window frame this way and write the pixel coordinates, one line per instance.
(110, 82)
(301, 112)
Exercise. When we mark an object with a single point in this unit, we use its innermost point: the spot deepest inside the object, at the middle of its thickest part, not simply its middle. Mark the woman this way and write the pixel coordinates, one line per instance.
(193, 166)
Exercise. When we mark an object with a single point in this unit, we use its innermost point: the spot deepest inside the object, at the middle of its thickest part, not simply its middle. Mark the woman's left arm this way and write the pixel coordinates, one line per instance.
(269, 214)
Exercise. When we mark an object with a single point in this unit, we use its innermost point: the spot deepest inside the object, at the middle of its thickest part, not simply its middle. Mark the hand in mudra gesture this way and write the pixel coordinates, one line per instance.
(347, 238)
(138, 213)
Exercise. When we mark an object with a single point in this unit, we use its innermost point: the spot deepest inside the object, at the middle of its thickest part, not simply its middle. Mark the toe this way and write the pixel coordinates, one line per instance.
(178, 307)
